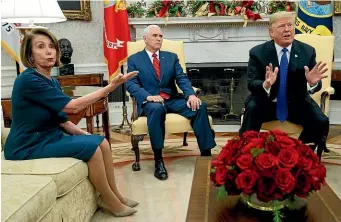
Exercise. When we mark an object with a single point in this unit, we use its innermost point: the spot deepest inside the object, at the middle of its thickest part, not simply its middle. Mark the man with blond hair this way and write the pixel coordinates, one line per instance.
(282, 74)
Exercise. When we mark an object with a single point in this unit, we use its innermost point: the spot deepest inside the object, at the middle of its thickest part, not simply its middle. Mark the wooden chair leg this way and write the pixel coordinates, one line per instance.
(135, 139)
(185, 139)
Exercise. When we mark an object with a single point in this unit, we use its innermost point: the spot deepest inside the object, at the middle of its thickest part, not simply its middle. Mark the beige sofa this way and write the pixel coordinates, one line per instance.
(48, 190)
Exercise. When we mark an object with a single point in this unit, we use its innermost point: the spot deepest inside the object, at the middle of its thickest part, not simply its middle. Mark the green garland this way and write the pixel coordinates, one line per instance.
(202, 8)
(136, 10)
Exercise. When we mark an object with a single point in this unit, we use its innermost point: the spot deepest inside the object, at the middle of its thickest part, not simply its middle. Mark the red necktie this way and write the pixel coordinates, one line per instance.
(156, 64)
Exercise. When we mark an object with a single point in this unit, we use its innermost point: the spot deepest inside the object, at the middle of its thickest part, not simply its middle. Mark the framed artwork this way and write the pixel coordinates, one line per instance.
(337, 8)
(79, 10)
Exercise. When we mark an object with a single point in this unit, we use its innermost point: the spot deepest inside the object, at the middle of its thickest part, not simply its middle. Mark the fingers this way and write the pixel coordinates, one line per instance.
(271, 68)
(317, 65)
(324, 76)
(306, 69)
(133, 73)
(322, 66)
(267, 69)
(324, 70)
(275, 71)
(267, 76)
(194, 104)
(157, 99)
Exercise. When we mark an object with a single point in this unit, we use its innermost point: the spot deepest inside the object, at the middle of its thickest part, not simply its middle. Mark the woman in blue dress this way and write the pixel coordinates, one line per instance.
(39, 133)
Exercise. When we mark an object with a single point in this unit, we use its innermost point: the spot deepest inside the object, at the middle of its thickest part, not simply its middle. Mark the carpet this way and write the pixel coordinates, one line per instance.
(173, 148)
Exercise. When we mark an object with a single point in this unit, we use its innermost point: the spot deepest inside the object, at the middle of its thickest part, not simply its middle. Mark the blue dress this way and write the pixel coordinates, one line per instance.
(37, 104)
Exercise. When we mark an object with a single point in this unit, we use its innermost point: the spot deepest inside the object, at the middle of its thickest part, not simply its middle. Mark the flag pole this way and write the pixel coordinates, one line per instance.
(18, 67)
(125, 126)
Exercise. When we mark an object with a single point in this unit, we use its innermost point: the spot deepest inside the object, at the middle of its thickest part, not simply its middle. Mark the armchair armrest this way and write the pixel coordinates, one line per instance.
(326, 94)
(196, 90)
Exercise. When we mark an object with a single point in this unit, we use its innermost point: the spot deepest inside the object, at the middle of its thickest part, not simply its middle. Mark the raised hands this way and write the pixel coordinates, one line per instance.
(120, 78)
(270, 76)
(315, 74)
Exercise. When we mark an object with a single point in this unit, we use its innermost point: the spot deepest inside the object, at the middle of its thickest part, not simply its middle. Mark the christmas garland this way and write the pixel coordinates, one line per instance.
(136, 10)
(248, 10)
(276, 6)
(166, 8)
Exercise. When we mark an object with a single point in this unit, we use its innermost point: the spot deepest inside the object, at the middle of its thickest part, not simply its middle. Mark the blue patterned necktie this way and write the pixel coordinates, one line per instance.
(282, 105)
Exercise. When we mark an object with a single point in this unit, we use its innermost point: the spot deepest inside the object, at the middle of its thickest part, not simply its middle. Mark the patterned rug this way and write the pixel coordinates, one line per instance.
(173, 148)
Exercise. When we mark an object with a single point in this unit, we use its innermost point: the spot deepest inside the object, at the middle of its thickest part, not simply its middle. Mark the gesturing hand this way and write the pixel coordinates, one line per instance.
(120, 78)
(193, 102)
(315, 74)
(270, 76)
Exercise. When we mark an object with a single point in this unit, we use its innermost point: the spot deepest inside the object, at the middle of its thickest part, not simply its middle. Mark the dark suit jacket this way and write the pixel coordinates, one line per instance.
(301, 55)
(146, 82)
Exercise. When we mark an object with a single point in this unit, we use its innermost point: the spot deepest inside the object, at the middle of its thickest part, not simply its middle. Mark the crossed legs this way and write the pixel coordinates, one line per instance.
(101, 174)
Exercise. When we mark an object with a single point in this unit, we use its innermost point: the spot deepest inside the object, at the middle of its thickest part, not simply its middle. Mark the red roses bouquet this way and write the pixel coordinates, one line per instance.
(270, 165)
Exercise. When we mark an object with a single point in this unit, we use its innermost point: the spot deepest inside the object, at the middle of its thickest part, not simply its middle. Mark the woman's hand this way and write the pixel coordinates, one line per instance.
(120, 78)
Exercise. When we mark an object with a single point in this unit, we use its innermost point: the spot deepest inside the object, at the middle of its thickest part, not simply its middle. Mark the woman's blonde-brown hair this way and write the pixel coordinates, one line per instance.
(26, 46)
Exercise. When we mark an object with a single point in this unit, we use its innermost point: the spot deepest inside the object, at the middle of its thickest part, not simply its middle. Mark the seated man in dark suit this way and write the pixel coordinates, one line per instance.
(156, 94)
(282, 75)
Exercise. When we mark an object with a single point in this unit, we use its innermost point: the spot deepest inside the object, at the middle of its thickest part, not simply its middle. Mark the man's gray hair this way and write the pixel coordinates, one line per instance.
(146, 30)
(282, 14)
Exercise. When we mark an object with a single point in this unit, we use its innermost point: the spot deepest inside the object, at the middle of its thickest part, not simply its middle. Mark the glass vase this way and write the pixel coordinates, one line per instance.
(253, 202)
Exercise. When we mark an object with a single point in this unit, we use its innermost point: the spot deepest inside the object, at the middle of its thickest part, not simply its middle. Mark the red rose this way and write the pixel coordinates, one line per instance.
(244, 161)
(253, 143)
(230, 183)
(229, 151)
(288, 157)
(266, 189)
(264, 135)
(303, 183)
(273, 148)
(318, 175)
(304, 163)
(246, 181)
(285, 141)
(285, 181)
(220, 174)
(248, 135)
(278, 133)
(302, 148)
(266, 163)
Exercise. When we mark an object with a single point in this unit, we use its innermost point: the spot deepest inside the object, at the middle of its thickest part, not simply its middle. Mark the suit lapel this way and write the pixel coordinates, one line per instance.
(146, 60)
(162, 65)
(272, 55)
(294, 55)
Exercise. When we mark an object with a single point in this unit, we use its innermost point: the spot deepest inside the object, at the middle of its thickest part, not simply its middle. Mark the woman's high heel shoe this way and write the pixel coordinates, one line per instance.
(126, 212)
(130, 203)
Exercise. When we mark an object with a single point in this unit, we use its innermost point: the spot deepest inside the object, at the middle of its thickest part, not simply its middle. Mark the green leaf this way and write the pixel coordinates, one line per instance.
(213, 170)
(255, 152)
(222, 193)
(277, 213)
(291, 203)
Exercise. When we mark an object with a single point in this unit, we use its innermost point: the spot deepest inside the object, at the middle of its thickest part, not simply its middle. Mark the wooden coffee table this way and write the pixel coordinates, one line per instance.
(323, 206)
